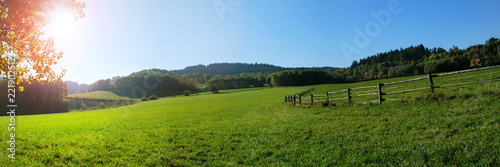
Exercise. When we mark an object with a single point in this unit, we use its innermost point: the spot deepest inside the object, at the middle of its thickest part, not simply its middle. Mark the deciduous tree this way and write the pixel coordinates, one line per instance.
(22, 35)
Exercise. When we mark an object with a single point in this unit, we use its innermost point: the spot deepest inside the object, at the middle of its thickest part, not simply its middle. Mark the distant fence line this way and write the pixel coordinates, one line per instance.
(325, 97)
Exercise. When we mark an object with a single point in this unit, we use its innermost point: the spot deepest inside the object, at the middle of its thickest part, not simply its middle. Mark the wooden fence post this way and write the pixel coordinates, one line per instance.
(327, 99)
(312, 99)
(348, 95)
(300, 100)
(294, 100)
(431, 83)
(380, 93)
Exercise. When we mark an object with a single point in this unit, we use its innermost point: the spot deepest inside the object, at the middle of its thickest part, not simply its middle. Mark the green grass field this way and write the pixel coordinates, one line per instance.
(97, 100)
(254, 127)
(98, 95)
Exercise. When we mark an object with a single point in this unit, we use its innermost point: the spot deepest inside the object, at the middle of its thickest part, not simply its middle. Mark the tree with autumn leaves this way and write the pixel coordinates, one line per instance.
(22, 35)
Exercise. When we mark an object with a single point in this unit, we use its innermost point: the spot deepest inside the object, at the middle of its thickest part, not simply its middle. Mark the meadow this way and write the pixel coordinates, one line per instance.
(246, 127)
(98, 95)
(96, 100)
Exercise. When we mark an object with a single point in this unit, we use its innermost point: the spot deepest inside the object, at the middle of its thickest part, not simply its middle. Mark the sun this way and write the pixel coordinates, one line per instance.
(61, 23)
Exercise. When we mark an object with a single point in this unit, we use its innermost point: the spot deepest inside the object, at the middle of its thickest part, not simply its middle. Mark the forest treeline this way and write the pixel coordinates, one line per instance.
(416, 60)
(409, 61)
(225, 69)
(195, 78)
(413, 60)
(144, 83)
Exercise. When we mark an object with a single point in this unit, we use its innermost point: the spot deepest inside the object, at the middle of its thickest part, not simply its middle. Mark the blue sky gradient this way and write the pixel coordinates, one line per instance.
(118, 37)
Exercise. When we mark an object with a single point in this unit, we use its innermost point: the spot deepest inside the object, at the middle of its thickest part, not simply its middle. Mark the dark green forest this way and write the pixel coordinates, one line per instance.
(225, 69)
(303, 77)
(421, 60)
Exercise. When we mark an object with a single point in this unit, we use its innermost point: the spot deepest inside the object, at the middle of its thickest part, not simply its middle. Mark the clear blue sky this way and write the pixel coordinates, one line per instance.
(118, 37)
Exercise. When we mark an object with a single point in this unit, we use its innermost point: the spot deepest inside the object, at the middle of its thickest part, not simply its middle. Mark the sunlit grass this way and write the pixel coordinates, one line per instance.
(254, 127)
(99, 95)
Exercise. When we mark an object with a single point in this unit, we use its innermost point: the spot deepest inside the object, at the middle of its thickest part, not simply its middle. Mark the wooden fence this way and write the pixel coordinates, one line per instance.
(325, 97)
(293, 98)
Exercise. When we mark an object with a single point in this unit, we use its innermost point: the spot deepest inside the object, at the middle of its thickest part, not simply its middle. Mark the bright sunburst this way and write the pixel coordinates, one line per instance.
(61, 23)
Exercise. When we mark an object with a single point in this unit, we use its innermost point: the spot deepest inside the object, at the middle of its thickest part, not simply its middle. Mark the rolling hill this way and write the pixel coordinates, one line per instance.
(243, 127)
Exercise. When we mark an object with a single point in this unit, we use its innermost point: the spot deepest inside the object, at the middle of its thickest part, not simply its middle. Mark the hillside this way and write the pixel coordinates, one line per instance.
(96, 100)
(98, 95)
(163, 83)
(414, 60)
(254, 127)
(239, 68)
(418, 59)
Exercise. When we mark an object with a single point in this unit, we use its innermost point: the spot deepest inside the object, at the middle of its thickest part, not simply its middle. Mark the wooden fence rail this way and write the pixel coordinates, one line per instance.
(297, 96)
(325, 97)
